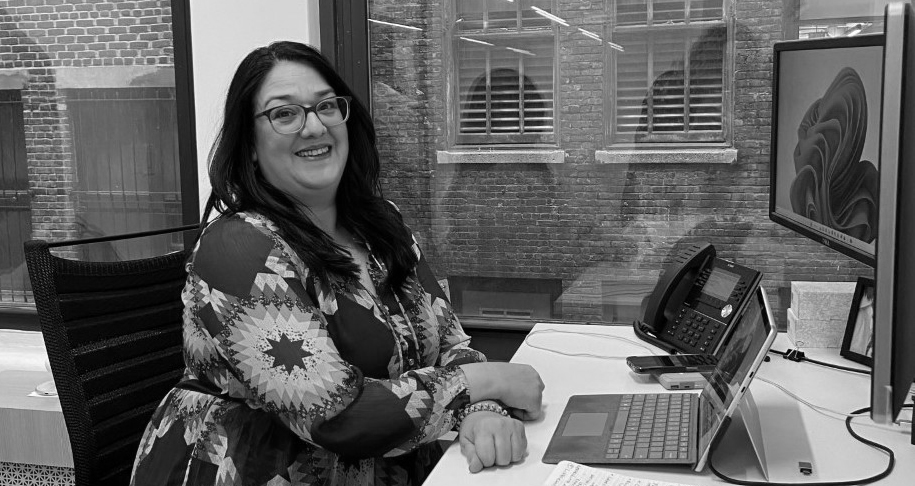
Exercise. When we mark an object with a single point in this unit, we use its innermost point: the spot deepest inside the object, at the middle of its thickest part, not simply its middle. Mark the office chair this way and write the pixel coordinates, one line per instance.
(113, 336)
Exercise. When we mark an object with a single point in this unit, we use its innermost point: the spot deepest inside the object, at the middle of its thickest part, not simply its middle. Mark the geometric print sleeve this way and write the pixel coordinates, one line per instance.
(271, 348)
(454, 347)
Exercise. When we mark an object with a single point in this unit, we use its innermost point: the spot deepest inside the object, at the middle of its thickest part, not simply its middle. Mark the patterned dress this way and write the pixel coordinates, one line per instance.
(292, 380)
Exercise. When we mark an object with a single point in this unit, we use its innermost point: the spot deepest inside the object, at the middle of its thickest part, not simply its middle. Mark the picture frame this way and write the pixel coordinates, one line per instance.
(858, 343)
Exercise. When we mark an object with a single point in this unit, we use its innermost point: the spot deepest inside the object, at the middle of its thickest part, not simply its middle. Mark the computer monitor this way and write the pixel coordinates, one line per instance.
(843, 173)
(894, 300)
(825, 141)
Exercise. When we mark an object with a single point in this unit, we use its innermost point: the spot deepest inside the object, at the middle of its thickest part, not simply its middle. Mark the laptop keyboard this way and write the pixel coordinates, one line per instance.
(651, 426)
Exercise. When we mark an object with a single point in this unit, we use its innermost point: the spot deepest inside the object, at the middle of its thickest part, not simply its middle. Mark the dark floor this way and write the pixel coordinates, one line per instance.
(497, 345)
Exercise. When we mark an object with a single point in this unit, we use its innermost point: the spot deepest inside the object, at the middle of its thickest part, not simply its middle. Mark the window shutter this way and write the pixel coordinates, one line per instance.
(472, 87)
(706, 91)
(670, 75)
(631, 12)
(504, 64)
(667, 104)
(632, 83)
(669, 84)
(505, 90)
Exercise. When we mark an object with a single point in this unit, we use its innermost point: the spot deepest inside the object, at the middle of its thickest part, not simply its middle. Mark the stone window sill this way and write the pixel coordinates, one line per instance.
(668, 156)
(530, 156)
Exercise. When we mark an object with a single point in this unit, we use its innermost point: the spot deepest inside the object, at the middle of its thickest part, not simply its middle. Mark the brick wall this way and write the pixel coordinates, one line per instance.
(39, 37)
(582, 221)
(409, 107)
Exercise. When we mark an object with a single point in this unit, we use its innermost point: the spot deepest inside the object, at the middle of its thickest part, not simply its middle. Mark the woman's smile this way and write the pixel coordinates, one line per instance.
(315, 152)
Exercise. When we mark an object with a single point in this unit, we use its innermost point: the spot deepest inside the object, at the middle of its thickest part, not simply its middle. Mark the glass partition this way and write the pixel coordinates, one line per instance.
(88, 118)
(554, 155)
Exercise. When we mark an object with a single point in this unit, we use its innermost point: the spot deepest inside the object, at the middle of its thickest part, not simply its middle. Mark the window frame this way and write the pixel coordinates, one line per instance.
(673, 141)
(451, 85)
(344, 34)
(187, 121)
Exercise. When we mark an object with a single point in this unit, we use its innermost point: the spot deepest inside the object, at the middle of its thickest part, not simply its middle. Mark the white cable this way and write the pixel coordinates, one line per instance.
(820, 409)
(836, 415)
(586, 355)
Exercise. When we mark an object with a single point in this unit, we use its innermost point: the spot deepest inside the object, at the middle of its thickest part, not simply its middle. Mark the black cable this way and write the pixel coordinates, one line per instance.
(798, 356)
(838, 367)
(886, 472)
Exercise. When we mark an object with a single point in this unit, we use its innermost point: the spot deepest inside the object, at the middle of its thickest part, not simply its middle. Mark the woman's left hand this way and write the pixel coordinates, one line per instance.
(488, 439)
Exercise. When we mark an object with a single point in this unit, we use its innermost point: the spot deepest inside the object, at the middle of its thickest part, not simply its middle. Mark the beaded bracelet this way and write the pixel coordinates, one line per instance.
(481, 406)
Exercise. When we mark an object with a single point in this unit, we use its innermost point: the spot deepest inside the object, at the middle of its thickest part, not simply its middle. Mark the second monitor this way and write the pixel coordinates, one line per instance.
(826, 140)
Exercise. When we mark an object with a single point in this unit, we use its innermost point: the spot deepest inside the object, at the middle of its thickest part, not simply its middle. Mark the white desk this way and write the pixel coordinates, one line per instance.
(33, 427)
(34, 445)
(836, 455)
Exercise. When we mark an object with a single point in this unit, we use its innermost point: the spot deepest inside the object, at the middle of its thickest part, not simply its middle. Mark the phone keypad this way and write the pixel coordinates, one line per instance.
(694, 330)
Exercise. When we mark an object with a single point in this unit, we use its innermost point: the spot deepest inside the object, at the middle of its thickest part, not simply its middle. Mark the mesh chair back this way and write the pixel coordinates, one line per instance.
(113, 336)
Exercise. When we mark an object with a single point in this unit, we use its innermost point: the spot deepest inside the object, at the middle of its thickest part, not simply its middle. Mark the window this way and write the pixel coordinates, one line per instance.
(125, 150)
(669, 59)
(15, 199)
(504, 62)
(88, 133)
(822, 18)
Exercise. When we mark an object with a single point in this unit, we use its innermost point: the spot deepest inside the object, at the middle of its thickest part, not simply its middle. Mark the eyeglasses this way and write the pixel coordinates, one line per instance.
(286, 119)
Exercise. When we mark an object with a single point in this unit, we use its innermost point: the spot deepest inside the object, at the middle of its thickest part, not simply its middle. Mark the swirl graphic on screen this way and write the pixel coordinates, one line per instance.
(833, 186)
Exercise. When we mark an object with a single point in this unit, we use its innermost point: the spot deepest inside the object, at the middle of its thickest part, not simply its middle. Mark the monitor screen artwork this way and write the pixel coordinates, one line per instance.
(825, 141)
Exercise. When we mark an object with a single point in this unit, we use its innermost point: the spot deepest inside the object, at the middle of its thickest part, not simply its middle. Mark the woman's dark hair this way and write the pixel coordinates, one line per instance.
(361, 208)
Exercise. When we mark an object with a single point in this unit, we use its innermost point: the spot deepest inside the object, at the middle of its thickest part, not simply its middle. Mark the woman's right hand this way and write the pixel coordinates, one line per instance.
(516, 385)
(489, 439)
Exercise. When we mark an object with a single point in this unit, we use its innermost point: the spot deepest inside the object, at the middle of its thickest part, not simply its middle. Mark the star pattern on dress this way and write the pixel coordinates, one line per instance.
(287, 353)
(278, 298)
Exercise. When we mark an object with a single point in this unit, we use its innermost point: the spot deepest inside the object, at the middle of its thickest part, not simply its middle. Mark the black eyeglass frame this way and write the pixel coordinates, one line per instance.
(308, 109)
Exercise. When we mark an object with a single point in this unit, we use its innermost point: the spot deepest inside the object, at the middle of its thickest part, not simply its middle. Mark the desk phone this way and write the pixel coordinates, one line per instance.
(695, 302)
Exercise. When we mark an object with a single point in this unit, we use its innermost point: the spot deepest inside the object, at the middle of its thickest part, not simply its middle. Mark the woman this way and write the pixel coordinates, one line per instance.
(319, 347)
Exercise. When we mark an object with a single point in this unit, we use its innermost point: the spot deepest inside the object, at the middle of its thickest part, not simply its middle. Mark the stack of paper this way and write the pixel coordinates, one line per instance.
(572, 474)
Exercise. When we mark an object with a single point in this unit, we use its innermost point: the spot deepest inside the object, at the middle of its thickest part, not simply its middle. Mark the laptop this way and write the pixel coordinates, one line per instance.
(675, 428)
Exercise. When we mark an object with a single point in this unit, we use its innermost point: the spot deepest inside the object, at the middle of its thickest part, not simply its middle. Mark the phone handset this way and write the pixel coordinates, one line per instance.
(671, 291)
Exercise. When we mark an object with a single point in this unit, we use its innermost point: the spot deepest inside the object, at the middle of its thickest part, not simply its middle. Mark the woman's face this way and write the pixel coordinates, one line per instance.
(307, 164)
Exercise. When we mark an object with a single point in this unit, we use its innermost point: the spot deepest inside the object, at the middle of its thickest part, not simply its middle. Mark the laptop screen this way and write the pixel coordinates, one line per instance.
(744, 351)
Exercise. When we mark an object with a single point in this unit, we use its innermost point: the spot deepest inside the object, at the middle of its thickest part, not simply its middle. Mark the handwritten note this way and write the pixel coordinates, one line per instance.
(573, 474)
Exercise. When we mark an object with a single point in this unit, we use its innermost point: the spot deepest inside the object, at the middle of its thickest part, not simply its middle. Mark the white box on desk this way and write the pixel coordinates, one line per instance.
(819, 313)
(815, 333)
(822, 300)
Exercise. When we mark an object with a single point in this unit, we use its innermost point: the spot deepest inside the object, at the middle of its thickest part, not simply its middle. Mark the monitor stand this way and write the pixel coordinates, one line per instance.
(744, 452)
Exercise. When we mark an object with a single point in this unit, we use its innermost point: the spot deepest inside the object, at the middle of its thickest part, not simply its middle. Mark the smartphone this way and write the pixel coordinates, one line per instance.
(675, 363)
